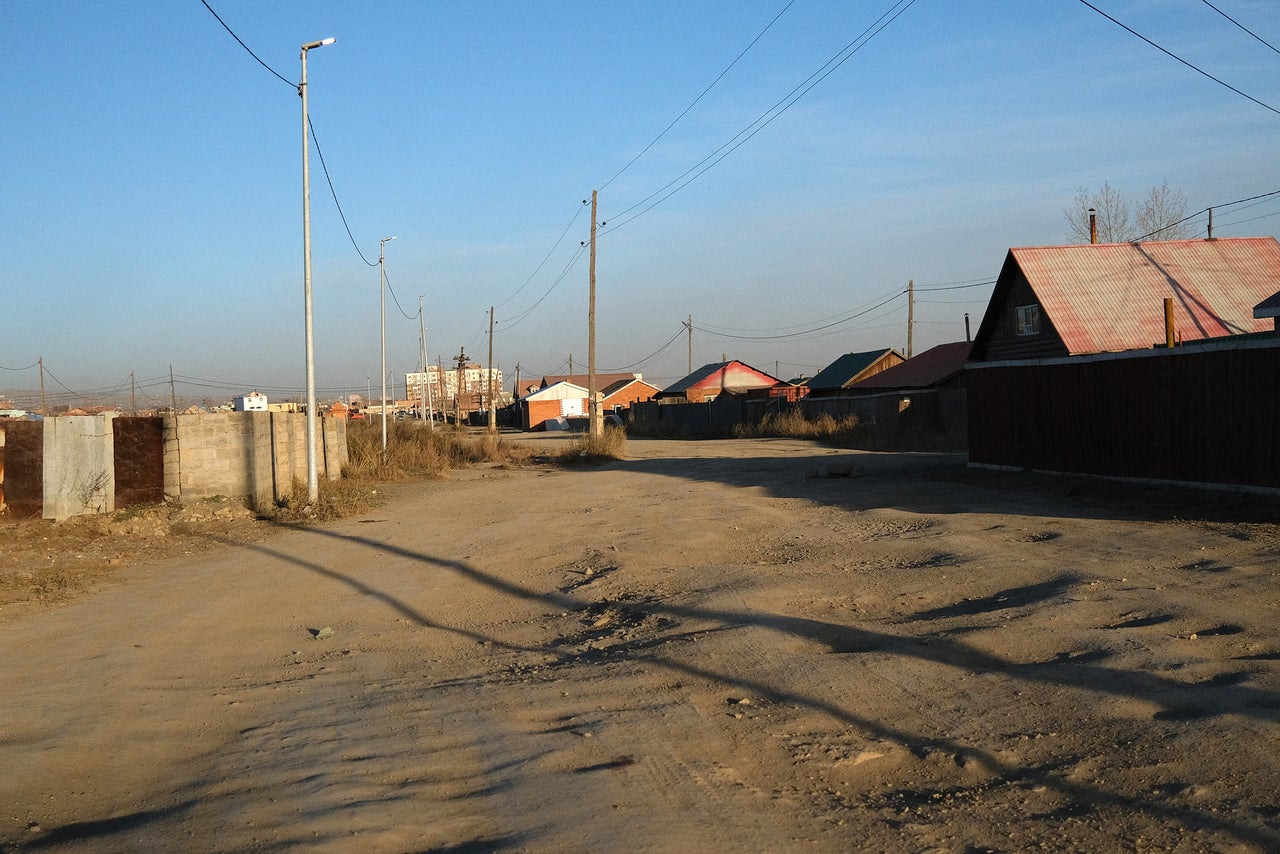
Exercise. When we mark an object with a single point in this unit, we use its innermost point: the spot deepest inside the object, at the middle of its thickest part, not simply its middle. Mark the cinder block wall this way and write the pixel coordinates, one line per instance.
(258, 456)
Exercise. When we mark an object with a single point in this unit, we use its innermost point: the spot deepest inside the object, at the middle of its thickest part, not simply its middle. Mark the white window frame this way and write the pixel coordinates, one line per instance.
(1027, 319)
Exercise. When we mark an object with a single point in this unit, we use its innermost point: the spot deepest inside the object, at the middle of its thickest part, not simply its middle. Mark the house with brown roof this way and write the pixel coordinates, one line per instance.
(1052, 301)
(623, 393)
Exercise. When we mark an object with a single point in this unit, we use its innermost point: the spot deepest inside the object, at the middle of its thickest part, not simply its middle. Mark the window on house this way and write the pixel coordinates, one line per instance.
(1028, 319)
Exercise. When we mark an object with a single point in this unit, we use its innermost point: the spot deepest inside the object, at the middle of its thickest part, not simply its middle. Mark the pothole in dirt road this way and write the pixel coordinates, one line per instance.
(588, 570)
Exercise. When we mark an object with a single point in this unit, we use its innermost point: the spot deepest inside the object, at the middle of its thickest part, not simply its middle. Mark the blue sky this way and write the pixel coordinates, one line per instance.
(151, 178)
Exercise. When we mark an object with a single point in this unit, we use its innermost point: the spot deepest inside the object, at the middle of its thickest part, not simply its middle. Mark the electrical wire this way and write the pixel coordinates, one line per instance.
(282, 78)
(806, 324)
(647, 358)
(396, 300)
(334, 192)
(762, 121)
(1240, 25)
(1173, 55)
(807, 332)
(27, 368)
(577, 212)
(701, 95)
(1189, 217)
(510, 323)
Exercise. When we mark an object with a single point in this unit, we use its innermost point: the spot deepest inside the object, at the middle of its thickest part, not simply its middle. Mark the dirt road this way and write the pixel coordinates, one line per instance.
(709, 646)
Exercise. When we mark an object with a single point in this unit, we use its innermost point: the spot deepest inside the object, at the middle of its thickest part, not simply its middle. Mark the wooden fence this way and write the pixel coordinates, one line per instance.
(1206, 414)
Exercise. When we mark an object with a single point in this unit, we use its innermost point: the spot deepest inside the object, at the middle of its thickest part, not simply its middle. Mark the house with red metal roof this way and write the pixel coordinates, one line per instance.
(726, 378)
(940, 366)
(1054, 301)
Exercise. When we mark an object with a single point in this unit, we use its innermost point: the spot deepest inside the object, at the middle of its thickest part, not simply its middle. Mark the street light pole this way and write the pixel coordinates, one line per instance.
(313, 477)
(382, 299)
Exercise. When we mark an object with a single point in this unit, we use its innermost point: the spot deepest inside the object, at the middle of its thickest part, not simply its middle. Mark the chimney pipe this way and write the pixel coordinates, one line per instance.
(1093, 226)
(1211, 223)
(966, 327)
(1168, 322)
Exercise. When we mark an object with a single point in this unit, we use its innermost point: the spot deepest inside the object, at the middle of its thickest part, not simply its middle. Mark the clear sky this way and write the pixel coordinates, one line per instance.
(151, 177)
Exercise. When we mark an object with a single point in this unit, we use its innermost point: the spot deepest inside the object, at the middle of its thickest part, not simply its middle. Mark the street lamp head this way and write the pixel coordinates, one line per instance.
(309, 45)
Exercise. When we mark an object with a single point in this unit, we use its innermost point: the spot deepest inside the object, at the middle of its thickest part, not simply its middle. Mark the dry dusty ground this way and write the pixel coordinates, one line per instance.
(705, 647)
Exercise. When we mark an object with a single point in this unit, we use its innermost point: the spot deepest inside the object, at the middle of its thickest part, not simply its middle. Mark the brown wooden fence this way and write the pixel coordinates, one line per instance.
(1199, 414)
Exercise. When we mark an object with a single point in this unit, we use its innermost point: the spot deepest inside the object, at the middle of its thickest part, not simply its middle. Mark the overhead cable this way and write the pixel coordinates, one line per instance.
(285, 80)
(1170, 53)
(1240, 25)
(762, 121)
(701, 95)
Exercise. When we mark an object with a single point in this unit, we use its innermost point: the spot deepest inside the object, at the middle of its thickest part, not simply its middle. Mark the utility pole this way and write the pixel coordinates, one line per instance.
(44, 406)
(689, 326)
(313, 477)
(382, 307)
(424, 385)
(461, 359)
(173, 394)
(911, 311)
(571, 364)
(133, 394)
(492, 426)
(596, 426)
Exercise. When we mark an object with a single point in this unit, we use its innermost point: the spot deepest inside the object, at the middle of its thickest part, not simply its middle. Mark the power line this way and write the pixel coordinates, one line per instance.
(763, 120)
(701, 95)
(1189, 217)
(508, 324)
(804, 325)
(840, 322)
(647, 358)
(1170, 53)
(282, 78)
(334, 192)
(1240, 25)
(577, 212)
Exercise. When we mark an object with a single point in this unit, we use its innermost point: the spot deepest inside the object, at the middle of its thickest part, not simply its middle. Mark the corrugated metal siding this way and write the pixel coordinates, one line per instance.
(1207, 416)
(1110, 297)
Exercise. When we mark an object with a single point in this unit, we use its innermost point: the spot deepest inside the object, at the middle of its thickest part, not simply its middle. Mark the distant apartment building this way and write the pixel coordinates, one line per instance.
(252, 402)
(468, 388)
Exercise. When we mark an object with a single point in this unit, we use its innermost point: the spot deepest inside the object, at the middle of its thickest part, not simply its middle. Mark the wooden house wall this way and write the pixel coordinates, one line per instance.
(1203, 416)
(1001, 340)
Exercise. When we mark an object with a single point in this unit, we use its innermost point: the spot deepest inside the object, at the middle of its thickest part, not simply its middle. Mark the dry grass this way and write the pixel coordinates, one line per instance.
(414, 452)
(610, 445)
(792, 424)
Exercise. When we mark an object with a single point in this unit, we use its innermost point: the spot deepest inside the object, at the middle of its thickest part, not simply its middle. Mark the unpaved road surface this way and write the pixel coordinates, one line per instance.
(710, 646)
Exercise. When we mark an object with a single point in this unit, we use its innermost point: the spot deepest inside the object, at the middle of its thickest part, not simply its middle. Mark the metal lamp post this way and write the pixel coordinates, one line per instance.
(382, 300)
(313, 478)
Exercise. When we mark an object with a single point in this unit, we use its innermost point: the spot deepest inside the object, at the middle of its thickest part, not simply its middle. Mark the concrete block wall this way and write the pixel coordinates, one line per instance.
(258, 456)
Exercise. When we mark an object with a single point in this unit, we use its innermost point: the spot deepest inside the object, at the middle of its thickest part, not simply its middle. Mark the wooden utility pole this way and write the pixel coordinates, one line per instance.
(911, 311)
(461, 359)
(173, 394)
(44, 406)
(570, 364)
(493, 405)
(689, 326)
(594, 421)
(133, 394)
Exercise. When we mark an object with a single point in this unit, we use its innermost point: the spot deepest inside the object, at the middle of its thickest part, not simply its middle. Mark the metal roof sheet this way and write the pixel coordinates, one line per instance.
(1106, 297)
(845, 368)
(927, 369)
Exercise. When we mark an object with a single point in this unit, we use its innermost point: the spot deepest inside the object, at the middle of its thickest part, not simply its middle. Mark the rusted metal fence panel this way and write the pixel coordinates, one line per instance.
(138, 451)
(24, 468)
(1197, 414)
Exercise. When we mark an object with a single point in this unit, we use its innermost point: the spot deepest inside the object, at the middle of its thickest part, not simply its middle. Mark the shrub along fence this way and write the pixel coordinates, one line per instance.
(80, 464)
